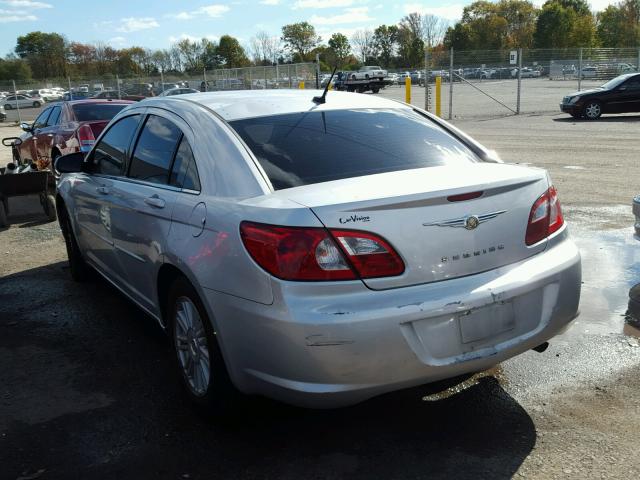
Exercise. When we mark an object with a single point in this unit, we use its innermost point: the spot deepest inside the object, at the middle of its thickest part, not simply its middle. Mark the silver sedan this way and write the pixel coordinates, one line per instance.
(318, 253)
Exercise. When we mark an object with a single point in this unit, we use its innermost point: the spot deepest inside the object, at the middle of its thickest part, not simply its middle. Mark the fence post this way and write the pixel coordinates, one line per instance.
(426, 79)
(407, 89)
(317, 71)
(265, 77)
(451, 84)
(580, 69)
(15, 92)
(519, 80)
(438, 96)
(118, 85)
(70, 91)
(638, 64)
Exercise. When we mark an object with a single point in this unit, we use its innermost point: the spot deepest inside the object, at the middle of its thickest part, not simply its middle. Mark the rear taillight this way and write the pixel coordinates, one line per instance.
(316, 254)
(86, 139)
(545, 217)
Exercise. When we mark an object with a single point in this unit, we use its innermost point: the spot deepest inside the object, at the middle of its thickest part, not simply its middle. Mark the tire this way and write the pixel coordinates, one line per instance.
(3, 215)
(197, 353)
(592, 110)
(54, 156)
(36, 104)
(8, 106)
(375, 90)
(79, 269)
(49, 206)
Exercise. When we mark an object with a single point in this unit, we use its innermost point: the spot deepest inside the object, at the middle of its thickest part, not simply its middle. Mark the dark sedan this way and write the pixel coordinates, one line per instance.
(620, 95)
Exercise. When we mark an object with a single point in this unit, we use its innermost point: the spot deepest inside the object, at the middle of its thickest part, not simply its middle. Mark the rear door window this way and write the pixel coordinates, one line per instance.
(154, 152)
(110, 153)
(184, 173)
(87, 112)
(312, 147)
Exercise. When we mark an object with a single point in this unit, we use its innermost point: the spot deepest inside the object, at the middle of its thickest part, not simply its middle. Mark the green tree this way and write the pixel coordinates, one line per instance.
(619, 25)
(385, 41)
(14, 69)
(565, 23)
(339, 48)
(45, 53)
(300, 38)
(231, 52)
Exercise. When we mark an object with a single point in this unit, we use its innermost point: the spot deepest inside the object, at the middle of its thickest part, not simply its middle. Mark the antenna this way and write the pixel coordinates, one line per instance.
(322, 99)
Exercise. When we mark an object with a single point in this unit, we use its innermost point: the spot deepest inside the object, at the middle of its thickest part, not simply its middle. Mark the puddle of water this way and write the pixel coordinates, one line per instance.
(610, 268)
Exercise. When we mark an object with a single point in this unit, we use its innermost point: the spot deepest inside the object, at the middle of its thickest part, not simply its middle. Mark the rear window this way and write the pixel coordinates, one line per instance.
(96, 111)
(313, 147)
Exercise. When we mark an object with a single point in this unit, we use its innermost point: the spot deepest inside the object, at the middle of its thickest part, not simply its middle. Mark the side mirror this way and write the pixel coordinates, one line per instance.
(26, 127)
(70, 163)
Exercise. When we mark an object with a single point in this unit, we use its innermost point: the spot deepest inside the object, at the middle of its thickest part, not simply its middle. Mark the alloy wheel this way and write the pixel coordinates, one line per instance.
(191, 346)
(593, 110)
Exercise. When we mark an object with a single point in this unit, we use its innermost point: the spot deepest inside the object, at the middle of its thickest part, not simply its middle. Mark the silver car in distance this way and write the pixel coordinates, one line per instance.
(318, 253)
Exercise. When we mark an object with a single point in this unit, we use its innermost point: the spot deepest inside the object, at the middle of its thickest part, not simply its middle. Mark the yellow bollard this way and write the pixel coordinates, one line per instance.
(330, 87)
(438, 95)
(301, 85)
(407, 89)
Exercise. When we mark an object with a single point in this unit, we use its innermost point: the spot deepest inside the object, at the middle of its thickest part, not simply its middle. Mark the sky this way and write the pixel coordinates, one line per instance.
(158, 24)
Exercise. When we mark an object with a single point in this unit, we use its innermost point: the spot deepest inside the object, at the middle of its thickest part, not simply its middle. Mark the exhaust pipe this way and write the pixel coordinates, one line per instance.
(541, 348)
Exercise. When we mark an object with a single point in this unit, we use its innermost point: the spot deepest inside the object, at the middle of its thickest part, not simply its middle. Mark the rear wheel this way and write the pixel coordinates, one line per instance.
(36, 104)
(8, 106)
(79, 269)
(49, 207)
(199, 359)
(592, 110)
(3, 215)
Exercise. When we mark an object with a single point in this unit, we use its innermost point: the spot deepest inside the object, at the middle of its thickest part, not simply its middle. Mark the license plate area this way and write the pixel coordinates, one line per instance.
(486, 322)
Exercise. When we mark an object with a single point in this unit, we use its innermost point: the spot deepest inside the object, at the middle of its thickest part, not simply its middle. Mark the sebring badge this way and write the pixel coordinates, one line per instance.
(470, 222)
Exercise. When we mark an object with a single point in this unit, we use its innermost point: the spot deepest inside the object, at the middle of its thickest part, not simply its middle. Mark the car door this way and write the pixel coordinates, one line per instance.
(46, 135)
(93, 195)
(28, 148)
(143, 205)
(629, 95)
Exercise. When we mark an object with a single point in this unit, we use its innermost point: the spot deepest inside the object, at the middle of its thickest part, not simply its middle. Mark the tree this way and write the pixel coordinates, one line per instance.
(300, 38)
(231, 52)
(410, 43)
(433, 29)
(619, 25)
(385, 39)
(14, 69)
(339, 48)
(565, 23)
(45, 53)
(264, 48)
(362, 41)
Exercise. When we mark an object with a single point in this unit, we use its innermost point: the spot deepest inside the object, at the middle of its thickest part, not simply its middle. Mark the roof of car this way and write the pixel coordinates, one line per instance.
(239, 104)
(97, 100)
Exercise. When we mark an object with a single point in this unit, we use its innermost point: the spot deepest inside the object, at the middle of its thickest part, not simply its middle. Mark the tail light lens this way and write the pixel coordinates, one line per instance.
(86, 139)
(317, 254)
(545, 217)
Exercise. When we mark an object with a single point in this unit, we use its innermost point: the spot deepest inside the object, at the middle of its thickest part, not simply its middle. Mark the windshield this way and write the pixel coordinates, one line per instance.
(88, 112)
(312, 147)
(611, 84)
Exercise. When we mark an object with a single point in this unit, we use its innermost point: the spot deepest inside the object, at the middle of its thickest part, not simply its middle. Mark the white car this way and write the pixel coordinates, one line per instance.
(589, 72)
(21, 101)
(368, 72)
(318, 251)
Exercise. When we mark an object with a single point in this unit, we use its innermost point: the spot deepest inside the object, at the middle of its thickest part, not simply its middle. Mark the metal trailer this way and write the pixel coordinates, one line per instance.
(29, 183)
(345, 81)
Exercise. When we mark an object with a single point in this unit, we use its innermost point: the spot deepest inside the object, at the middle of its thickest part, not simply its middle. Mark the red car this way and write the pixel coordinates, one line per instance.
(65, 127)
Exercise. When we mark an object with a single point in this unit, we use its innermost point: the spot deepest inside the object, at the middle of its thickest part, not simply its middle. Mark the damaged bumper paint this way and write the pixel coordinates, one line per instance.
(340, 343)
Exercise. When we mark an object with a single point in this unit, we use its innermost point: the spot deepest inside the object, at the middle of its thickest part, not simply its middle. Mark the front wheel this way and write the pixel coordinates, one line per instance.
(79, 269)
(8, 106)
(592, 110)
(36, 104)
(199, 359)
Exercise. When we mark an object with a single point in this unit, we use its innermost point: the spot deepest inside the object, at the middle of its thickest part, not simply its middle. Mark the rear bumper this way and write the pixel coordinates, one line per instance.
(336, 344)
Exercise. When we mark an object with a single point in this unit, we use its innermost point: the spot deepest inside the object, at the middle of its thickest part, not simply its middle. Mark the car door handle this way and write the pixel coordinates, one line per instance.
(103, 190)
(155, 201)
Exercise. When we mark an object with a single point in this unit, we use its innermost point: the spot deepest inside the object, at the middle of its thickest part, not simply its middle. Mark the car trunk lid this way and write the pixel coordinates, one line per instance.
(444, 222)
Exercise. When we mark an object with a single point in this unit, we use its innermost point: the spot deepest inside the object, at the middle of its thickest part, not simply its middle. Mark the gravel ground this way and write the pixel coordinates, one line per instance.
(87, 388)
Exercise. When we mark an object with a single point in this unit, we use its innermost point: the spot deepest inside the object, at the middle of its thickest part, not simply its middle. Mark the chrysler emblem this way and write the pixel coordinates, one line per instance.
(470, 222)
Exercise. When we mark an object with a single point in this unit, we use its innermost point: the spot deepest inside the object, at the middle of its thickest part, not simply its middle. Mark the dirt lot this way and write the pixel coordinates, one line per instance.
(87, 389)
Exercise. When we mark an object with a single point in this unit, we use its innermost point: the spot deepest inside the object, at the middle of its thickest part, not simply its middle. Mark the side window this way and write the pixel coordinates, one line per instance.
(633, 83)
(54, 117)
(154, 151)
(41, 121)
(184, 173)
(110, 153)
